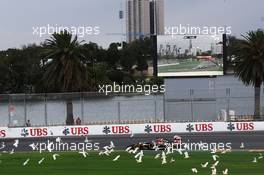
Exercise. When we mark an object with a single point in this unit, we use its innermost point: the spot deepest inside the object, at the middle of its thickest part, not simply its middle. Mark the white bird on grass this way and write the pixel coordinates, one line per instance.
(194, 170)
(186, 155)
(84, 153)
(215, 157)
(260, 156)
(214, 171)
(172, 160)
(40, 162)
(164, 158)
(139, 154)
(215, 165)
(179, 151)
(26, 162)
(223, 152)
(255, 160)
(225, 172)
(54, 156)
(139, 160)
(12, 151)
(157, 156)
(213, 151)
(205, 165)
(128, 149)
(131, 151)
(135, 150)
(116, 158)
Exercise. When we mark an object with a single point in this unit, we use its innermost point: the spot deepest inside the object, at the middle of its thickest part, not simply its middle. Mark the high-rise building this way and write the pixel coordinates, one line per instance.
(157, 16)
(139, 15)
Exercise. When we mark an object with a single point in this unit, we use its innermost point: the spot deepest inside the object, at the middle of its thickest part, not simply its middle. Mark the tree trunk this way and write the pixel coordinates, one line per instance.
(257, 101)
(69, 108)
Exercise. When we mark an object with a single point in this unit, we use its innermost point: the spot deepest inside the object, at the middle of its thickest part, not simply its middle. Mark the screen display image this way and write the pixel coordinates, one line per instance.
(190, 55)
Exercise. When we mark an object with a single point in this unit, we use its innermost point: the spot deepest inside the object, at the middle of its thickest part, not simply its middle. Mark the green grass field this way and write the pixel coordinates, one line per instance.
(186, 66)
(238, 163)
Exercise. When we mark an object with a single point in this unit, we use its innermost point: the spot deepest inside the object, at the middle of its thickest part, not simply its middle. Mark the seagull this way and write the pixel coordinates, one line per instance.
(255, 160)
(242, 146)
(139, 160)
(215, 164)
(214, 171)
(164, 161)
(112, 144)
(215, 157)
(116, 159)
(55, 156)
(157, 156)
(223, 152)
(139, 154)
(179, 151)
(40, 162)
(134, 152)
(205, 165)
(26, 162)
(49, 146)
(3, 145)
(58, 139)
(194, 170)
(33, 146)
(16, 143)
(12, 151)
(260, 156)
(172, 160)
(84, 153)
(225, 172)
(186, 155)
(163, 157)
(213, 151)
(86, 140)
(169, 148)
(128, 149)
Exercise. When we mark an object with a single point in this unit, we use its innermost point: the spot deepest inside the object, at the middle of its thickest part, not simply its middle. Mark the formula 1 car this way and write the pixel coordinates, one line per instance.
(158, 144)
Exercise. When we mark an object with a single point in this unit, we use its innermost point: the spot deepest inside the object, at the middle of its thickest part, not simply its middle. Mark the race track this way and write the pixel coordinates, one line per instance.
(251, 140)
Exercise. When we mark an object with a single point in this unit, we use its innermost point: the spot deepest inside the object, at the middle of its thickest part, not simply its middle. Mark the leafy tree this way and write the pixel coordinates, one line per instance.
(250, 63)
(65, 68)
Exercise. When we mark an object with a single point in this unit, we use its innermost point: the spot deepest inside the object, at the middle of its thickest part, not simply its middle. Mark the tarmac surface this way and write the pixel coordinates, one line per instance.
(249, 140)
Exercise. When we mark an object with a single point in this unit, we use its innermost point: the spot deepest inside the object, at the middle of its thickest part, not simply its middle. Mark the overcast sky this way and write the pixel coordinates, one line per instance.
(18, 17)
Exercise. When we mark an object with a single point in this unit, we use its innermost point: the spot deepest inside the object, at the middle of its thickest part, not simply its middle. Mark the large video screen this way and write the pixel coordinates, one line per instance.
(187, 56)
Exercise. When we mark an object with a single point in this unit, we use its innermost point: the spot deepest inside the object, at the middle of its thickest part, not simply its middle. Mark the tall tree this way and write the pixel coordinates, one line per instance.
(250, 63)
(65, 70)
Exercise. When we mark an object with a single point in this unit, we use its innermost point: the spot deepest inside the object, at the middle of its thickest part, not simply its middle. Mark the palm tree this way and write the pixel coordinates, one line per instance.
(250, 63)
(65, 68)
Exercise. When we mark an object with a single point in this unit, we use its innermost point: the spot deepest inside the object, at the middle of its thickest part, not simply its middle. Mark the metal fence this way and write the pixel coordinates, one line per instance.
(93, 108)
(212, 104)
